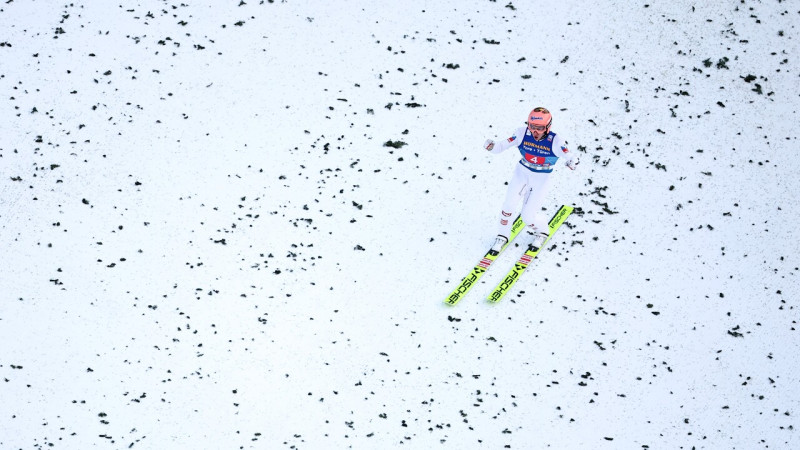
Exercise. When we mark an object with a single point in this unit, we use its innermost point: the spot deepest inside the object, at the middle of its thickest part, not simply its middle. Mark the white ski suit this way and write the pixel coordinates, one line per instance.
(529, 183)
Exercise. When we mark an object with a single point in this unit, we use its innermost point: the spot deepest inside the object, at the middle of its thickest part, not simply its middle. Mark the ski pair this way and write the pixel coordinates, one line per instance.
(519, 267)
(483, 265)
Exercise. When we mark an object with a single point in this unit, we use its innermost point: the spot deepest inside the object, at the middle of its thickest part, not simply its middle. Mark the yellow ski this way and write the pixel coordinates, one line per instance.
(519, 267)
(483, 265)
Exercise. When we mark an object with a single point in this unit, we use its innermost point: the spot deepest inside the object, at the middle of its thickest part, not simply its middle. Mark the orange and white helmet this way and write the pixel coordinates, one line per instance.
(539, 121)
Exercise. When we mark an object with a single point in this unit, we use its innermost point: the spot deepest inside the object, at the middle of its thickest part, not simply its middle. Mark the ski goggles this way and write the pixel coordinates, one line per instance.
(537, 127)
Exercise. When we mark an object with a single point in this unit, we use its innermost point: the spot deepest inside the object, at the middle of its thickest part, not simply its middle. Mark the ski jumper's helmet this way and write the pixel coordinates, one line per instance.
(539, 121)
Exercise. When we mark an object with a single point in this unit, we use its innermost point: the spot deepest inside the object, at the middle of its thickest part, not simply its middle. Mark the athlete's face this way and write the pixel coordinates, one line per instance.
(537, 131)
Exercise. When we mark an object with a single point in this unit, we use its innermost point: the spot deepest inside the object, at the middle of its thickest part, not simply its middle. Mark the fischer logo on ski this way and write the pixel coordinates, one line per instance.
(483, 265)
(519, 267)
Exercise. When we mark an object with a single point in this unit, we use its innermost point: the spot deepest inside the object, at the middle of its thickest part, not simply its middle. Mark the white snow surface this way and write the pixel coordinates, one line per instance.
(207, 242)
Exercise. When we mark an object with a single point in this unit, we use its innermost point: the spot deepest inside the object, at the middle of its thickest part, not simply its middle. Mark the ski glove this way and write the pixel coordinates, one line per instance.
(572, 163)
(488, 145)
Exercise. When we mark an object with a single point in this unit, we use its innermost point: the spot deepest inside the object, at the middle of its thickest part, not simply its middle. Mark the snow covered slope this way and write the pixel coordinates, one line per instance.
(233, 226)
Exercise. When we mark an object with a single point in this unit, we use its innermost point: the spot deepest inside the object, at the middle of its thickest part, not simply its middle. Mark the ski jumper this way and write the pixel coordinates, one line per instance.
(529, 182)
